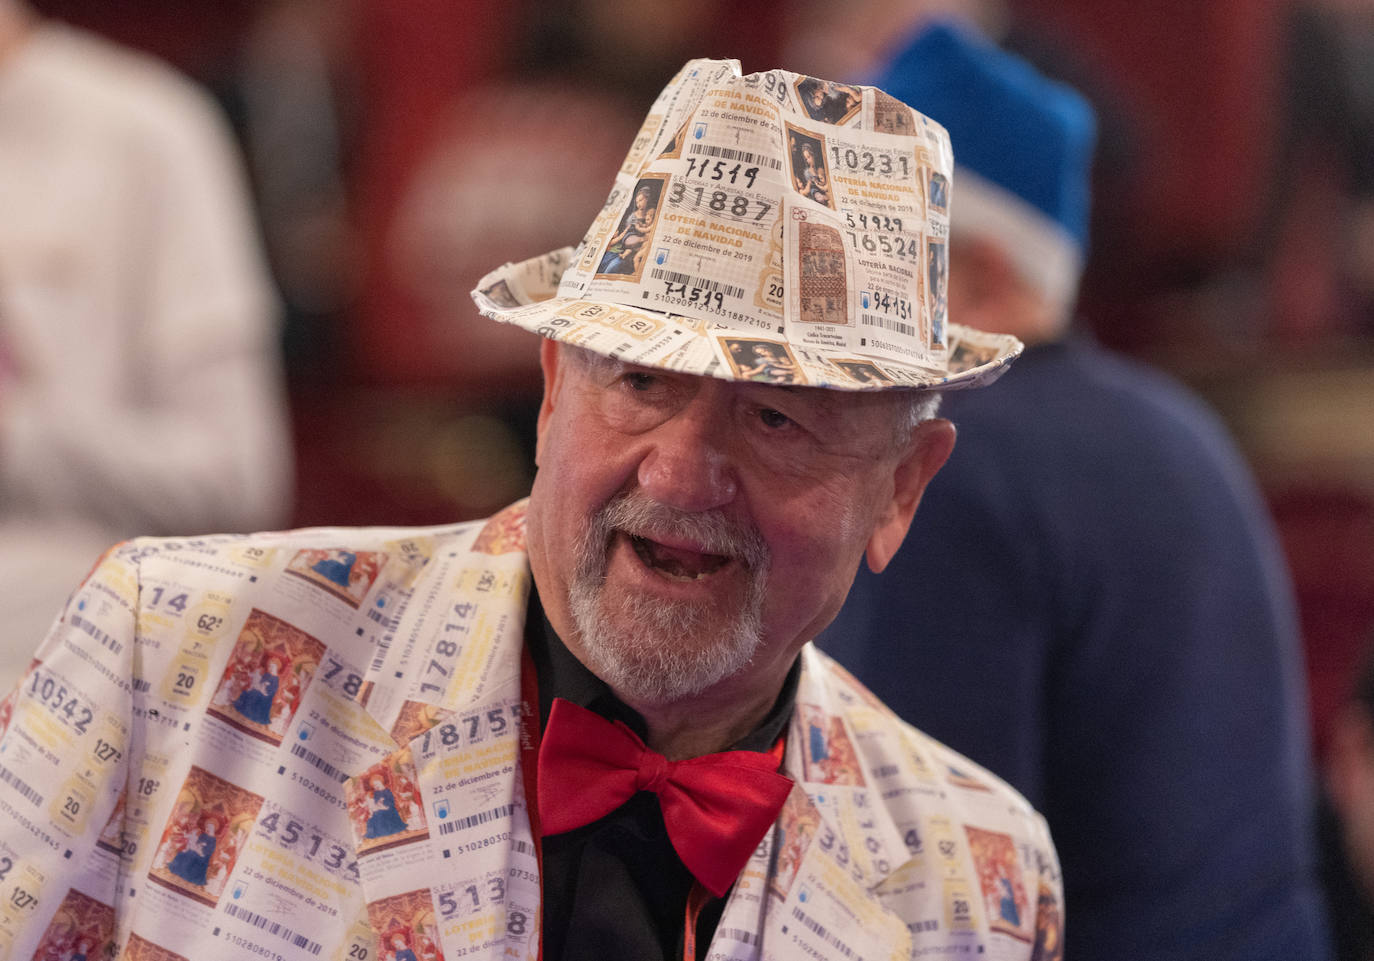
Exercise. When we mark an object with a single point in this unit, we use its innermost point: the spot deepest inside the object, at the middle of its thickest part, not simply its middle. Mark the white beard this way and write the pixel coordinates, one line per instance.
(648, 661)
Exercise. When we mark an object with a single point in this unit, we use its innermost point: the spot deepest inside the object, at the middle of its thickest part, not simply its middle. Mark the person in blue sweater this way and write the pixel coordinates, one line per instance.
(1092, 602)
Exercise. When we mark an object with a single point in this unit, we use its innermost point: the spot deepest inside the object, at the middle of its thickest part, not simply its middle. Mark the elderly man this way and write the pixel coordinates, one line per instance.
(592, 726)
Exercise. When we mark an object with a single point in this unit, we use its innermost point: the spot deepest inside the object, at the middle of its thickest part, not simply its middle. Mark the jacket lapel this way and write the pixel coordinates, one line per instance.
(812, 881)
(455, 869)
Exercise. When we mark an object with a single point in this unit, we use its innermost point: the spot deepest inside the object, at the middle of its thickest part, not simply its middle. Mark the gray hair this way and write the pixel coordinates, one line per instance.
(916, 406)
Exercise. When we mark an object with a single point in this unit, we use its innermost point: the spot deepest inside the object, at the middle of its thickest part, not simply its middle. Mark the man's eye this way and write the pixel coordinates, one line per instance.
(639, 380)
(775, 420)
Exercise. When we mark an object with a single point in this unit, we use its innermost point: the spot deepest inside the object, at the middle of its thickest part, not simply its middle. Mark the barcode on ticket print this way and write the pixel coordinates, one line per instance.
(673, 277)
(821, 931)
(743, 156)
(319, 763)
(383, 645)
(105, 640)
(740, 935)
(522, 847)
(887, 323)
(375, 615)
(472, 820)
(271, 927)
(26, 792)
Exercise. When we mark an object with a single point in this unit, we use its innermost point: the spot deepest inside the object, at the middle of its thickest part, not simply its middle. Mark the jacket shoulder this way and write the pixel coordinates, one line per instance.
(356, 538)
(903, 760)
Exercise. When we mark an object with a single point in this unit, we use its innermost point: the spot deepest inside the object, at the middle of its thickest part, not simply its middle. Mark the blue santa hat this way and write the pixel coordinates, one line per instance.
(1022, 149)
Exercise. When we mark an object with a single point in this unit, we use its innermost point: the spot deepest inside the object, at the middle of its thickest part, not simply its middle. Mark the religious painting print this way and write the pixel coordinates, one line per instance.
(821, 273)
(939, 191)
(968, 354)
(500, 294)
(384, 804)
(406, 927)
(204, 834)
(345, 574)
(892, 116)
(628, 249)
(82, 929)
(766, 361)
(937, 274)
(999, 880)
(864, 372)
(828, 755)
(140, 950)
(1049, 927)
(504, 533)
(415, 718)
(810, 178)
(797, 825)
(269, 669)
(827, 101)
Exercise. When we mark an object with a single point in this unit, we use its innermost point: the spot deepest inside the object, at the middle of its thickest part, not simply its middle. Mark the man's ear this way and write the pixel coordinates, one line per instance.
(929, 448)
(549, 363)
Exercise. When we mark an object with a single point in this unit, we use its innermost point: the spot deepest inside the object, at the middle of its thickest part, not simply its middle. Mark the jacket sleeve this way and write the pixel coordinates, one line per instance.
(65, 740)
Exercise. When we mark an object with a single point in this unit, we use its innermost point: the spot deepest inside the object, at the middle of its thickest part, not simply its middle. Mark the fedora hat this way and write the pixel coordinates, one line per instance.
(771, 227)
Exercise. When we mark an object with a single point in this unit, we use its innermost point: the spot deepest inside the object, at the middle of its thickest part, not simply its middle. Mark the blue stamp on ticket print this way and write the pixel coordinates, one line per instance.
(699, 131)
(238, 891)
(863, 299)
(441, 809)
(661, 256)
(305, 732)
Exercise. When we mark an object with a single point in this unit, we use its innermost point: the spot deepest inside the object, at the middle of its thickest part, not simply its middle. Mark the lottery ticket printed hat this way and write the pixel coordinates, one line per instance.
(771, 227)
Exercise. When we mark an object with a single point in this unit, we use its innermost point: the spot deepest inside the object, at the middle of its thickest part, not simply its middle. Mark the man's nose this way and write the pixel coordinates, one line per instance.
(688, 465)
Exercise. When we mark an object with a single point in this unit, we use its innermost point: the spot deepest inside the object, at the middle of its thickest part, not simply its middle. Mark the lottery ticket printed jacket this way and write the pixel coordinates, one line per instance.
(307, 745)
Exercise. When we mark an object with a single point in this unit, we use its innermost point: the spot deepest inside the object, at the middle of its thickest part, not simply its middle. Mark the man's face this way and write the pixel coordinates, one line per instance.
(688, 533)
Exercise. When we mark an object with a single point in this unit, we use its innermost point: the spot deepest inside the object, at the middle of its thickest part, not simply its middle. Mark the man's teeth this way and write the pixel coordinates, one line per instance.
(676, 563)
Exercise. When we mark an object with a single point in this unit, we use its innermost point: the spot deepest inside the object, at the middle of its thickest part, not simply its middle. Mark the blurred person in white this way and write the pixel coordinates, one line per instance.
(139, 380)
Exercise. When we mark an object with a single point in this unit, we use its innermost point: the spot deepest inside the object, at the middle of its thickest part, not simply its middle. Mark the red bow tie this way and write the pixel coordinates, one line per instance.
(716, 807)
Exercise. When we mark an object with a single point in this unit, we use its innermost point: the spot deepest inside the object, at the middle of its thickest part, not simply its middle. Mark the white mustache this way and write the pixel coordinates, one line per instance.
(712, 532)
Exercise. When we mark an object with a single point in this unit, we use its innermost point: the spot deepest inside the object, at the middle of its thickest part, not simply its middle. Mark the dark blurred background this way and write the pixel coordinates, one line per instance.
(400, 150)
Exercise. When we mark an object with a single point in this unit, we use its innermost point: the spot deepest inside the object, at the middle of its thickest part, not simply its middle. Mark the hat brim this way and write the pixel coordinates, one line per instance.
(526, 294)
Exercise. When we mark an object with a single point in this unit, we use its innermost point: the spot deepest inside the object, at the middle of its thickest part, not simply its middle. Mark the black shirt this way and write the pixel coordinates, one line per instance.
(616, 888)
